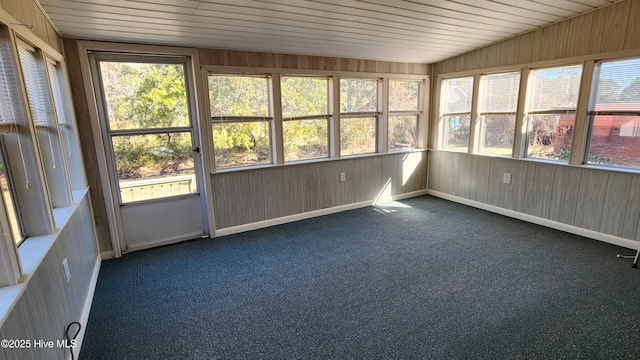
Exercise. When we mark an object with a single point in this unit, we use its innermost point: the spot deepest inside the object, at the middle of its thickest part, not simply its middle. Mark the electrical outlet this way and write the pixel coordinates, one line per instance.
(67, 272)
(343, 177)
(507, 178)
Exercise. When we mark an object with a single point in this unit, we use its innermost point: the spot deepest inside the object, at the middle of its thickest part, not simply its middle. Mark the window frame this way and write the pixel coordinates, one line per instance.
(232, 119)
(42, 106)
(328, 117)
(418, 113)
(334, 107)
(591, 114)
(527, 114)
(482, 114)
(376, 114)
(443, 114)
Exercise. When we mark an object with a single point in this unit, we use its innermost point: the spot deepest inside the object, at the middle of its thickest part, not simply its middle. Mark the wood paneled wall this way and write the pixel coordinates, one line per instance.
(248, 196)
(304, 62)
(599, 200)
(592, 199)
(609, 29)
(27, 12)
(49, 304)
(85, 133)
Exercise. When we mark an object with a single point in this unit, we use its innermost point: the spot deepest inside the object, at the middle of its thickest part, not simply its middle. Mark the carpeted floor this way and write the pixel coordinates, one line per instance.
(423, 278)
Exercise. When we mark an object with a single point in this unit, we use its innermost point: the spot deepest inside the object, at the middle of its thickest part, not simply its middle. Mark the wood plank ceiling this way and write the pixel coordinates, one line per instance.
(422, 31)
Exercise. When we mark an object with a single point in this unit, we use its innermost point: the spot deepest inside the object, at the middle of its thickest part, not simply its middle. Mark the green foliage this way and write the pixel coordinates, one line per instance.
(632, 92)
(138, 96)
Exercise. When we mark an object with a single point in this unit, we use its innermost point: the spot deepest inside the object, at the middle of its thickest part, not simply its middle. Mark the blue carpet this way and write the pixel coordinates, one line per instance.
(423, 278)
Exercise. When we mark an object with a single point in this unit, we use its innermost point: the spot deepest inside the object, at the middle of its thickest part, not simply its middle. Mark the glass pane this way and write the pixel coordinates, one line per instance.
(358, 95)
(304, 96)
(142, 95)
(305, 139)
(403, 95)
(550, 136)
(500, 92)
(615, 141)
(9, 203)
(457, 95)
(616, 86)
(357, 135)
(402, 132)
(238, 96)
(241, 143)
(154, 166)
(456, 132)
(497, 134)
(555, 88)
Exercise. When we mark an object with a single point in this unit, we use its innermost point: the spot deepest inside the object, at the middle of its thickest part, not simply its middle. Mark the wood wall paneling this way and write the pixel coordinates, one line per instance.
(579, 35)
(597, 30)
(435, 171)
(464, 177)
(561, 42)
(615, 203)
(632, 36)
(496, 188)
(549, 42)
(304, 62)
(482, 167)
(615, 26)
(570, 193)
(593, 188)
(88, 148)
(632, 213)
(524, 50)
(243, 197)
(556, 196)
(49, 303)
(494, 53)
(510, 51)
(539, 190)
(536, 45)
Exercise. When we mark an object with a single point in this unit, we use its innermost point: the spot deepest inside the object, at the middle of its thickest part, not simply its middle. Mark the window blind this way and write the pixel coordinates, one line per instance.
(38, 95)
(500, 93)
(555, 88)
(12, 111)
(616, 87)
(36, 88)
(458, 95)
(56, 78)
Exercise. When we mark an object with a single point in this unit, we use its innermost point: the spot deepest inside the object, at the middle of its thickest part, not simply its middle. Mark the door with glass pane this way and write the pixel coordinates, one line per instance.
(151, 146)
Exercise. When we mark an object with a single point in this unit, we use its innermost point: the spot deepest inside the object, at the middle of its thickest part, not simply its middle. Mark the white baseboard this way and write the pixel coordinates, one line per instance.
(84, 318)
(107, 255)
(611, 239)
(315, 213)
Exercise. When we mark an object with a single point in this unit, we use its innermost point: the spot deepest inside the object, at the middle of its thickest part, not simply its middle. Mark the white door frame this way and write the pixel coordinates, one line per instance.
(196, 95)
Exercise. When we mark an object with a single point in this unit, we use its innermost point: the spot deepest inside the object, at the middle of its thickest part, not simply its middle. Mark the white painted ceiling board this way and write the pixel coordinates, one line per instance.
(424, 31)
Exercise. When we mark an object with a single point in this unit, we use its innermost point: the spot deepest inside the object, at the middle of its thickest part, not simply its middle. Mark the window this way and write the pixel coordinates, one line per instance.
(44, 119)
(498, 105)
(8, 126)
(551, 107)
(241, 119)
(455, 112)
(614, 109)
(305, 116)
(359, 112)
(148, 127)
(404, 111)
(66, 123)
